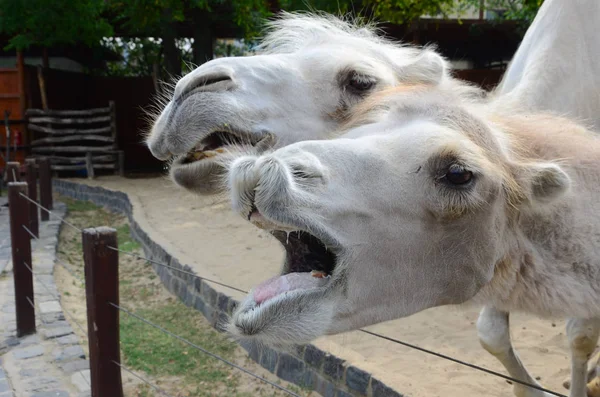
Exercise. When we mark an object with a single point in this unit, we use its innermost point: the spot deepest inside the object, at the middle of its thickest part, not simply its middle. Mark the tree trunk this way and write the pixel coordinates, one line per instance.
(172, 55)
(203, 46)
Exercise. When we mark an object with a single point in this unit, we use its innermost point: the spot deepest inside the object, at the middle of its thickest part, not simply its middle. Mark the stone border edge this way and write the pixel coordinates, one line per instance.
(308, 366)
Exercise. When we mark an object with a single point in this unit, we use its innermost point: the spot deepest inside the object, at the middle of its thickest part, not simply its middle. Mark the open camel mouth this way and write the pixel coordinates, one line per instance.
(219, 142)
(308, 264)
(202, 169)
(290, 307)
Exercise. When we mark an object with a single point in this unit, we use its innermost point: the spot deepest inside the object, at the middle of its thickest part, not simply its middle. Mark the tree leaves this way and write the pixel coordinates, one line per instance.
(51, 22)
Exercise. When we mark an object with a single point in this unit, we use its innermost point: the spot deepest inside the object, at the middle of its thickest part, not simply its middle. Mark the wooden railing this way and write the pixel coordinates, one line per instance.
(76, 139)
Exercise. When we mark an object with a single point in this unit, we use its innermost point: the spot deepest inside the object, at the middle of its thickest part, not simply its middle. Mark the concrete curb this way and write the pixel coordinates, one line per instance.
(308, 366)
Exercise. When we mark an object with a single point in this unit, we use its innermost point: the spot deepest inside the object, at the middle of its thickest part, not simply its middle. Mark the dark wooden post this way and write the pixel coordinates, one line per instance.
(21, 258)
(45, 186)
(113, 122)
(89, 165)
(32, 189)
(121, 162)
(13, 173)
(101, 289)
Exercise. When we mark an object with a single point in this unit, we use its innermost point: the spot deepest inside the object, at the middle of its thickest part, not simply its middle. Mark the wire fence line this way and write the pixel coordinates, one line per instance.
(176, 269)
(387, 338)
(50, 212)
(213, 355)
(158, 389)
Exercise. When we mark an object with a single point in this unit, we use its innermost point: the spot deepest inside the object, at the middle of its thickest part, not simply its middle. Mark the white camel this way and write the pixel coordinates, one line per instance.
(258, 107)
(557, 69)
(312, 71)
(428, 201)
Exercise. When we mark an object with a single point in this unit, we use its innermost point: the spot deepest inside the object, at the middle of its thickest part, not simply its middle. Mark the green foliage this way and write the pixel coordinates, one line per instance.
(151, 17)
(338, 7)
(512, 10)
(138, 55)
(406, 11)
(52, 22)
(520, 11)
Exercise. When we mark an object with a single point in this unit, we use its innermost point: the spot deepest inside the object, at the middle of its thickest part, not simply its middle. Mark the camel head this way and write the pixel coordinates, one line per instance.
(312, 71)
(413, 207)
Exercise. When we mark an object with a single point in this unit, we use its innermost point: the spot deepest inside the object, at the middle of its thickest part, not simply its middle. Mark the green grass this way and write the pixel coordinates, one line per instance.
(126, 242)
(148, 349)
(77, 205)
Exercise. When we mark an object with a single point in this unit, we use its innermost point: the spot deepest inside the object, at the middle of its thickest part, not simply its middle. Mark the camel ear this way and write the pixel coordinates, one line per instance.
(548, 182)
(428, 67)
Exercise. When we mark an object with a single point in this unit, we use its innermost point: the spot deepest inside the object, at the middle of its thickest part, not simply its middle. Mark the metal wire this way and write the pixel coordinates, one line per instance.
(421, 349)
(487, 371)
(158, 389)
(66, 266)
(50, 212)
(182, 339)
(176, 269)
(30, 302)
(30, 233)
(55, 297)
(14, 175)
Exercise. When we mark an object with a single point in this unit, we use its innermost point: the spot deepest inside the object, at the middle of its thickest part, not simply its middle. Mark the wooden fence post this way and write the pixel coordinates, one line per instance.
(89, 165)
(21, 258)
(31, 179)
(101, 289)
(13, 173)
(45, 186)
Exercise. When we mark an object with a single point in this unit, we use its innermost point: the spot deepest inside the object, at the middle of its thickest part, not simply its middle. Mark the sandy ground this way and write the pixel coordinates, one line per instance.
(217, 243)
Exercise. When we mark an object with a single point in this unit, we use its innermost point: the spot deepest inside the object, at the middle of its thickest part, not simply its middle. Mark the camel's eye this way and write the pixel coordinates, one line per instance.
(360, 83)
(458, 175)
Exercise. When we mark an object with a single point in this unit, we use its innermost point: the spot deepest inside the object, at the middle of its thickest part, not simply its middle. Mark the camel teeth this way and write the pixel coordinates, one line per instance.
(318, 274)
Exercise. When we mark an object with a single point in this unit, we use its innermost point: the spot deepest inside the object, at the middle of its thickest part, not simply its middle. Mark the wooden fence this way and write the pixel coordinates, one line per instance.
(101, 274)
(77, 139)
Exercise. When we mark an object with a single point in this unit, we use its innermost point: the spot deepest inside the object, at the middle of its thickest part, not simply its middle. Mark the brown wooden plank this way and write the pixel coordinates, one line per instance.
(69, 121)
(21, 258)
(9, 81)
(102, 292)
(59, 167)
(67, 131)
(72, 149)
(77, 138)
(80, 159)
(86, 112)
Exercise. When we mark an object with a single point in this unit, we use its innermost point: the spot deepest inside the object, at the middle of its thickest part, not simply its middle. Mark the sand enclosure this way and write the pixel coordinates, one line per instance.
(217, 243)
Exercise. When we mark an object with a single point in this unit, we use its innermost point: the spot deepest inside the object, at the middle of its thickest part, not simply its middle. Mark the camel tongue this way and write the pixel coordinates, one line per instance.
(280, 284)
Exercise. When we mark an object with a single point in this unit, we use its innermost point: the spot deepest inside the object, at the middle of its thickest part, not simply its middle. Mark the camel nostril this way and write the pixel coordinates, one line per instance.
(209, 82)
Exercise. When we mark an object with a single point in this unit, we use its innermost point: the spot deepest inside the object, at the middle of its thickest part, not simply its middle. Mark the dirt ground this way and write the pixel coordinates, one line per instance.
(171, 365)
(217, 243)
